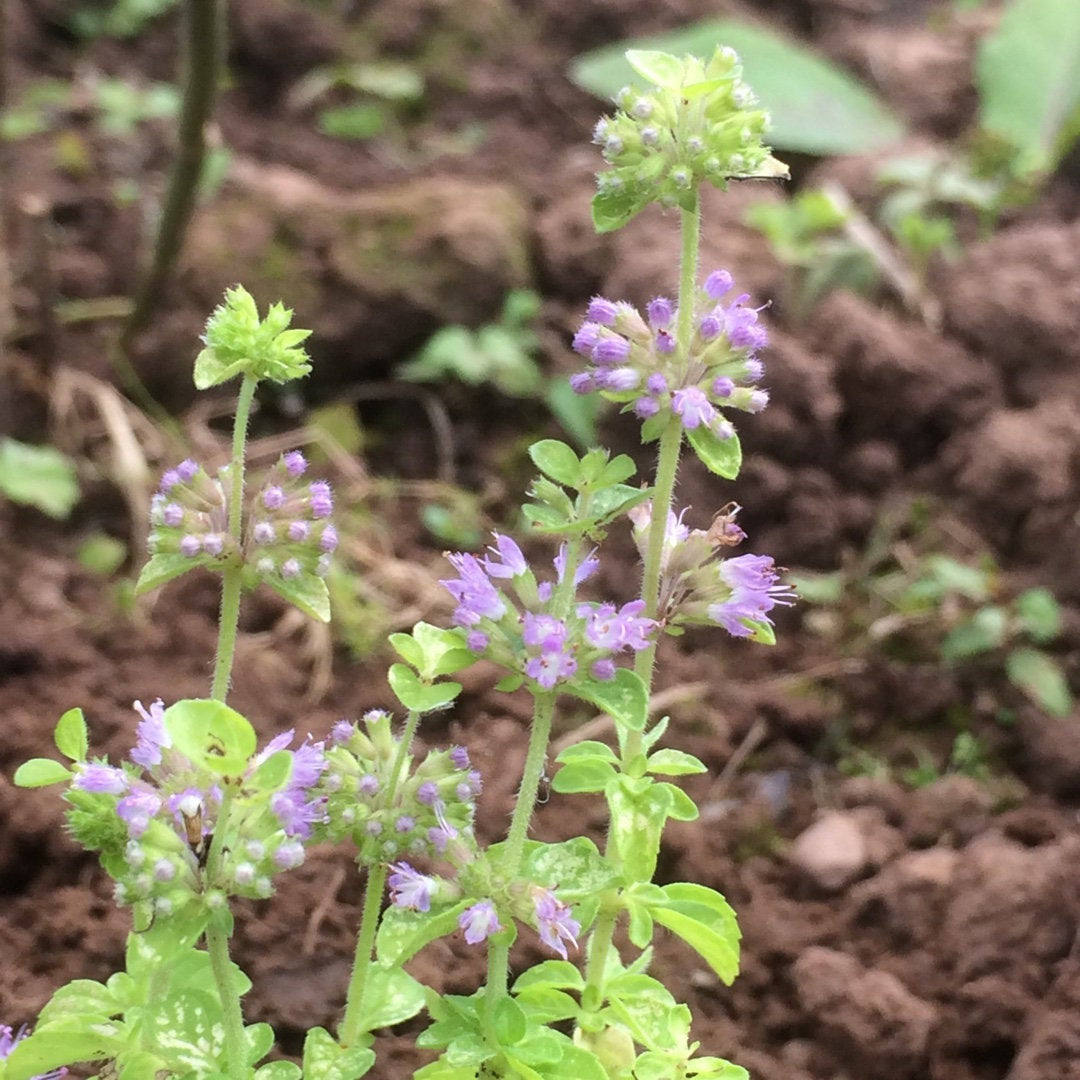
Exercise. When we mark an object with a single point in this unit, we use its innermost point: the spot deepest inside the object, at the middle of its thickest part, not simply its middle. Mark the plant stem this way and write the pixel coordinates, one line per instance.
(374, 887)
(350, 1029)
(217, 944)
(535, 760)
(232, 575)
(205, 38)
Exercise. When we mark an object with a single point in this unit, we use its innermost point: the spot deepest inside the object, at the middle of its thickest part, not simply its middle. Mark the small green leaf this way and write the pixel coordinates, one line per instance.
(402, 933)
(589, 750)
(560, 974)
(1039, 615)
(282, 1070)
(1040, 678)
(983, 632)
(408, 648)
(674, 763)
(720, 456)
(272, 774)
(414, 695)
(325, 1059)
(660, 68)
(510, 1024)
(582, 776)
(38, 476)
(306, 592)
(391, 996)
(211, 735)
(510, 683)
(163, 568)
(70, 736)
(624, 698)
(40, 772)
(64, 1042)
(556, 460)
(612, 210)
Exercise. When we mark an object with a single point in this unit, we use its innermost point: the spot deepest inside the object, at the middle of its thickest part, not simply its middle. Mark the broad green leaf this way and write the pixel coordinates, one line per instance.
(624, 698)
(38, 476)
(1039, 614)
(816, 107)
(70, 735)
(720, 456)
(637, 823)
(414, 695)
(960, 577)
(556, 460)
(391, 996)
(715, 948)
(443, 1070)
(185, 1028)
(546, 1005)
(145, 1065)
(325, 1059)
(582, 776)
(402, 933)
(560, 974)
(669, 762)
(163, 568)
(408, 648)
(273, 773)
(611, 501)
(1028, 76)
(283, 1070)
(260, 1041)
(306, 592)
(612, 210)
(211, 735)
(40, 772)
(574, 866)
(680, 806)
(63, 1042)
(509, 1022)
(83, 999)
(1039, 677)
(574, 1062)
(714, 1068)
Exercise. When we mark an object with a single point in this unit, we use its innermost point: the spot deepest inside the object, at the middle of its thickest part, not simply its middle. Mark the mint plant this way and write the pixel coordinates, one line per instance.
(199, 813)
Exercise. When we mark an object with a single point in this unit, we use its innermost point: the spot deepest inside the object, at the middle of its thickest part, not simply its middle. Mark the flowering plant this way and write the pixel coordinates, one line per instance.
(199, 814)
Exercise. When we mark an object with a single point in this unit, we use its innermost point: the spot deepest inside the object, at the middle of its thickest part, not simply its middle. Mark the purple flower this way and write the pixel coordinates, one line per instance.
(602, 311)
(309, 763)
(328, 542)
(342, 731)
(289, 855)
(722, 387)
(409, 888)
(645, 407)
(213, 544)
(614, 630)
(656, 383)
(479, 922)
(691, 404)
(507, 560)
(753, 572)
(322, 503)
(603, 670)
(173, 515)
(368, 784)
(544, 631)
(551, 666)
(100, 779)
(273, 497)
(477, 597)
(295, 463)
(296, 813)
(427, 793)
(586, 568)
(459, 755)
(476, 641)
(151, 735)
(611, 350)
(298, 531)
(556, 926)
(264, 532)
(659, 312)
(618, 380)
(718, 284)
(136, 810)
(582, 383)
(190, 546)
(586, 338)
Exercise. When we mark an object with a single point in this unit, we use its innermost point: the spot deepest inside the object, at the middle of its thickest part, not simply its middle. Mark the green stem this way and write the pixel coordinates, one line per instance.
(535, 761)
(204, 56)
(232, 575)
(600, 944)
(374, 887)
(217, 944)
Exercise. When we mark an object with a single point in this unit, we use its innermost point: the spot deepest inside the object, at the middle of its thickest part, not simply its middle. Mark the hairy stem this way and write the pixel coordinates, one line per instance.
(232, 576)
(374, 887)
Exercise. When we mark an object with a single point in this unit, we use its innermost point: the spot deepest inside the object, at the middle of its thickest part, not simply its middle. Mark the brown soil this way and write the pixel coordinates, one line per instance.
(913, 932)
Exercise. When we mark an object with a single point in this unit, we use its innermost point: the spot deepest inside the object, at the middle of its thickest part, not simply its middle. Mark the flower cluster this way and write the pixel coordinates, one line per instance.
(699, 587)
(152, 817)
(427, 810)
(519, 631)
(635, 359)
(541, 908)
(662, 144)
(9, 1039)
(288, 533)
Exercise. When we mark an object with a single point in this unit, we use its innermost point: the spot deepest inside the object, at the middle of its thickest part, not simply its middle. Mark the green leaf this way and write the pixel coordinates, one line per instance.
(402, 933)
(705, 921)
(38, 476)
(582, 776)
(638, 814)
(41, 772)
(575, 866)
(213, 736)
(70, 735)
(305, 591)
(556, 460)
(325, 1059)
(272, 774)
(1041, 679)
(560, 974)
(1028, 76)
(624, 698)
(588, 750)
(720, 456)
(185, 1027)
(408, 648)
(674, 763)
(659, 68)
(414, 695)
(509, 1022)
(983, 632)
(285, 1070)
(391, 996)
(163, 568)
(546, 1005)
(1038, 614)
(816, 107)
(680, 807)
(64, 1042)
(612, 210)
(954, 576)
